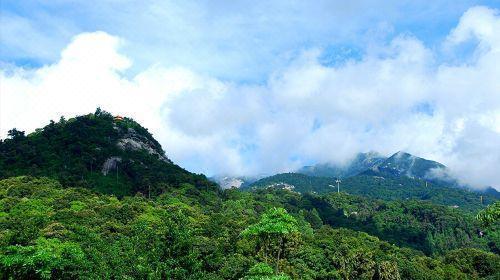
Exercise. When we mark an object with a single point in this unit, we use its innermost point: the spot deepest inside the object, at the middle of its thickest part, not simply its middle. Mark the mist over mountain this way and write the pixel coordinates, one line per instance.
(399, 176)
(405, 164)
(397, 165)
(360, 163)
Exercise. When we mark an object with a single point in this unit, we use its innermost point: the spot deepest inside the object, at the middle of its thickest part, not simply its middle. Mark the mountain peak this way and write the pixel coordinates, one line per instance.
(406, 164)
(400, 154)
(398, 164)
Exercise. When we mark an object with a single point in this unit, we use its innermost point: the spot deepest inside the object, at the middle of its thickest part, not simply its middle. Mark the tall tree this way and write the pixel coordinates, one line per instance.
(272, 231)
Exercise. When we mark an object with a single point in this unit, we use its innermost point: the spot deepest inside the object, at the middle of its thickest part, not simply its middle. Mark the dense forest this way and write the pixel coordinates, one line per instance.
(82, 151)
(95, 197)
(386, 188)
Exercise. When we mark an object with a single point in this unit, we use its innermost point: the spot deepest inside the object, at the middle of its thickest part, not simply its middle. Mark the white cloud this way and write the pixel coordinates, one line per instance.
(397, 97)
(240, 40)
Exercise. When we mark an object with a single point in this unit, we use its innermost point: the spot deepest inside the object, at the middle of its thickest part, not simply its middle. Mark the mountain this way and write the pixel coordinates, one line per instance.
(113, 155)
(372, 163)
(397, 165)
(385, 188)
(405, 164)
(362, 162)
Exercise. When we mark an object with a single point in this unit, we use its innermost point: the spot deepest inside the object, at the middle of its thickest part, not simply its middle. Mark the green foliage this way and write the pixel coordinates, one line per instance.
(46, 259)
(386, 188)
(275, 233)
(48, 231)
(424, 226)
(74, 152)
(474, 262)
(67, 233)
(275, 221)
(491, 215)
(262, 271)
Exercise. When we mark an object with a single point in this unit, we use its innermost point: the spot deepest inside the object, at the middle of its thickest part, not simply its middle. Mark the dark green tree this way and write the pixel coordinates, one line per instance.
(272, 231)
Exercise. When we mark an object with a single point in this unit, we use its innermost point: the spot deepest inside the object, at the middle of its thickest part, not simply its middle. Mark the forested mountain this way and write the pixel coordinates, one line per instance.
(405, 164)
(398, 165)
(95, 197)
(113, 155)
(386, 188)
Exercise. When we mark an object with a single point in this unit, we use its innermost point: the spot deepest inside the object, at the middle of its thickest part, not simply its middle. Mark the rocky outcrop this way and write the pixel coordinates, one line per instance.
(134, 141)
(230, 182)
(110, 164)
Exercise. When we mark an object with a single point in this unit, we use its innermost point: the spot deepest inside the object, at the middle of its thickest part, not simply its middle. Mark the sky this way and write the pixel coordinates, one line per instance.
(245, 87)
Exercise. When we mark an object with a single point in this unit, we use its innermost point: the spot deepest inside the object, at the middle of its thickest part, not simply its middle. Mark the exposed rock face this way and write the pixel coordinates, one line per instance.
(134, 141)
(110, 164)
(230, 182)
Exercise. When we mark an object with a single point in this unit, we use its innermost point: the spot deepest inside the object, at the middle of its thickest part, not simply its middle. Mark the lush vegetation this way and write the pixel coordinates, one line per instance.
(49, 231)
(490, 217)
(74, 152)
(386, 188)
(96, 198)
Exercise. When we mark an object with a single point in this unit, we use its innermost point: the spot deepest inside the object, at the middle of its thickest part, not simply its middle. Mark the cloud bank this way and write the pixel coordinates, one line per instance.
(398, 96)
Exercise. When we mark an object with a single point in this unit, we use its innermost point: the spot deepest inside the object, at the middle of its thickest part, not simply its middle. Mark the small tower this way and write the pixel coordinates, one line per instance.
(338, 181)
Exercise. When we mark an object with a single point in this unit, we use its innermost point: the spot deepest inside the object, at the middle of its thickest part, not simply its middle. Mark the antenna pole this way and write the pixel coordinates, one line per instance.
(338, 181)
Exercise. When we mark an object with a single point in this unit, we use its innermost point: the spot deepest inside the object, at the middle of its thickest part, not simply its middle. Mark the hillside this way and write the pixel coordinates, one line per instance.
(97, 151)
(410, 223)
(386, 188)
(49, 231)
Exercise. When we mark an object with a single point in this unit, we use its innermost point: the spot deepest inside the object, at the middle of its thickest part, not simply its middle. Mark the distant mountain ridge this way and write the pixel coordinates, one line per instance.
(405, 164)
(400, 164)
(372, 163)
(400, 176)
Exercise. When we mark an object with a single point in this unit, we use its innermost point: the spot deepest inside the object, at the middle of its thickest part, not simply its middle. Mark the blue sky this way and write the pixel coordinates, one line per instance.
(233, 40)
(244, 88)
